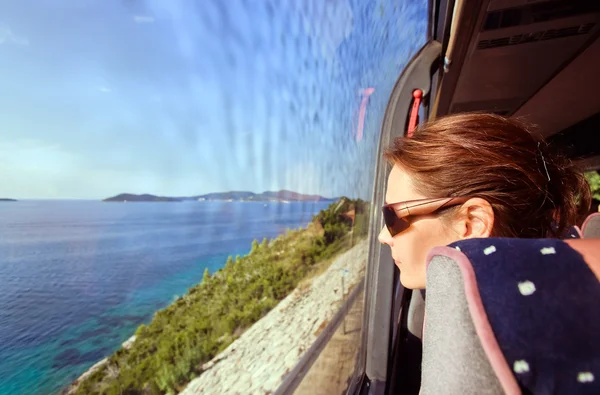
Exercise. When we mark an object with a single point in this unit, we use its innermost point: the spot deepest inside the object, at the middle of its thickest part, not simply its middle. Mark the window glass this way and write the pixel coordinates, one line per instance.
(185, 187)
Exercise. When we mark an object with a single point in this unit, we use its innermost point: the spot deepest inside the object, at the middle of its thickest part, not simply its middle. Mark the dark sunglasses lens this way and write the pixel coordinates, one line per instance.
(394, 224)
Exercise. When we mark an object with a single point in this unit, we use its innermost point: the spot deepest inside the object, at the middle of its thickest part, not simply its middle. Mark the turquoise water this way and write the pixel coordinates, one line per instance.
(78, 277)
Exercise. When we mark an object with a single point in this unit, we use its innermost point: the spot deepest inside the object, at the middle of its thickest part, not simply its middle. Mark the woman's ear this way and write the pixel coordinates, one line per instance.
(476, 219)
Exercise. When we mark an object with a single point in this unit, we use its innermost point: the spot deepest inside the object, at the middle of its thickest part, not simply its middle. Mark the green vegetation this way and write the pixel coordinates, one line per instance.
(170, 351)
(593, 178)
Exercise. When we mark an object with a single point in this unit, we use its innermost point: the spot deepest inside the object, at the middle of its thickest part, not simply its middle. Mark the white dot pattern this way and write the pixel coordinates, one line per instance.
(585, 377)
(489, 250)
(548, 251)
(521, 366)
(526, 288)
(525, 265)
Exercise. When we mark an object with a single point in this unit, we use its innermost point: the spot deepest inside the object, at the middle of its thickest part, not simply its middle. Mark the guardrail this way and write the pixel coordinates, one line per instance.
(295, 376)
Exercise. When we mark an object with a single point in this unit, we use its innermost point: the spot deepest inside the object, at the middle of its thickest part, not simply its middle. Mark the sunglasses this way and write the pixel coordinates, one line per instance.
(395, 214)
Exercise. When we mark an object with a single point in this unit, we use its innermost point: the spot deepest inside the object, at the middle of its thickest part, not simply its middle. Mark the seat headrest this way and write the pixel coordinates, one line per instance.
(591, 226)
(589, 249)
(533, 306)
(572, 233)
(454, 360)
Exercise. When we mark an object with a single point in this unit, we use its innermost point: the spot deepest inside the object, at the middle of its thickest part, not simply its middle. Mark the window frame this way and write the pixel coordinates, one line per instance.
(383, 292)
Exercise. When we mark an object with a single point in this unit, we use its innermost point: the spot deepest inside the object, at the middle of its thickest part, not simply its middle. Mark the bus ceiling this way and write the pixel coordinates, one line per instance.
(538, 60)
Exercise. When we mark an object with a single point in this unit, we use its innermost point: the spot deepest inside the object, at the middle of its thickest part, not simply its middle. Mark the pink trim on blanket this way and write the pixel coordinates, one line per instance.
(479, 316)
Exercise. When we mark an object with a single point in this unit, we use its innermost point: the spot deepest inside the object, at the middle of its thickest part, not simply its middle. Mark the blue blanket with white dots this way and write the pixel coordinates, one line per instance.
(542, 302)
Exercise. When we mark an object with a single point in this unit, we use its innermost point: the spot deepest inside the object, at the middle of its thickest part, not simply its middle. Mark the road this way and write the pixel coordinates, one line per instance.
(332, 371)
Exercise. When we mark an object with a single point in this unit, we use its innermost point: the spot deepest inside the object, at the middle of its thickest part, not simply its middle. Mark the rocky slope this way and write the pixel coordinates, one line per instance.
(257, 362)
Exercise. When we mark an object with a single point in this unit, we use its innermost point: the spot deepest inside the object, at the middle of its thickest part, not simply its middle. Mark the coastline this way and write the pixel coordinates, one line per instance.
(272, 346)
(73, 386)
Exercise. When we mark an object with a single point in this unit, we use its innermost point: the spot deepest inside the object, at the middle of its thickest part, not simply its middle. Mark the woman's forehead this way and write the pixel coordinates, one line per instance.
(400, 187)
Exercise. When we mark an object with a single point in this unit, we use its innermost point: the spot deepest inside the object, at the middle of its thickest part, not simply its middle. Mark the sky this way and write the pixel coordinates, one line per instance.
(180, 98)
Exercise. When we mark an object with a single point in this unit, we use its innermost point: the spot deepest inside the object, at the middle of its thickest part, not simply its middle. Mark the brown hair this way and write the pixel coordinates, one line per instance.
(500, 160)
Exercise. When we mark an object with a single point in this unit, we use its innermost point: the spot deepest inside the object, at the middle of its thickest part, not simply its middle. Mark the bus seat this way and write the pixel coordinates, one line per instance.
(416, 313)
(591, 226)
(573, 233)
(497, 320)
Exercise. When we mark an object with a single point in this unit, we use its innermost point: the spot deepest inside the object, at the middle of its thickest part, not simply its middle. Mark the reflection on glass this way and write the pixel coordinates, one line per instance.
(125, 127)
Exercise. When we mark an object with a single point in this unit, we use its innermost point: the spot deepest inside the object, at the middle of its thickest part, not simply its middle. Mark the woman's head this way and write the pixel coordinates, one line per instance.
(515, 185)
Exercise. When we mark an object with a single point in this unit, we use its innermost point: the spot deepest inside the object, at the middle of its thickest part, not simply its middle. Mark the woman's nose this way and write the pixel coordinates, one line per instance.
(385, 237)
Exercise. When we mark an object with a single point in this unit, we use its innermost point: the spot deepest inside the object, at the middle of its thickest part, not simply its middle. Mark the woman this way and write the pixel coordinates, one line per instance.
(505, 182)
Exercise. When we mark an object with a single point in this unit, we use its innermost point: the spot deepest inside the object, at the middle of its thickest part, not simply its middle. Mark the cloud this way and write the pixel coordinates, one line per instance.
(27, 144)
(143, 19)
(7, 36)
(104, 89)
(330, 24)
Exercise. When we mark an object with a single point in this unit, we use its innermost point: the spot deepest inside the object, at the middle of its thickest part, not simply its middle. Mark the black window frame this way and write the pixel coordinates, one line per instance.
(385, 298)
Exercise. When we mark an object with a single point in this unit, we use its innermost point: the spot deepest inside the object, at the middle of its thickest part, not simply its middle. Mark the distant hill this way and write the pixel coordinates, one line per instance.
(236, 196)
(268, 196)
(7, 200)
(233, 195)
(293, 196)
(129, 197)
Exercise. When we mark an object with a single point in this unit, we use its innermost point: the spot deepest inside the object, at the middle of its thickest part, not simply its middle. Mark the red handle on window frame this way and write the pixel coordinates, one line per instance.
(414, 112)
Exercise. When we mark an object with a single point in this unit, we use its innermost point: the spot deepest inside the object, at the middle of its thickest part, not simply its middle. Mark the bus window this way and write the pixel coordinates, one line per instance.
(186, 190)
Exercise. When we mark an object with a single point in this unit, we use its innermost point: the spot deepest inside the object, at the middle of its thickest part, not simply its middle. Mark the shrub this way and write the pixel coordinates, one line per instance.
(170, 350)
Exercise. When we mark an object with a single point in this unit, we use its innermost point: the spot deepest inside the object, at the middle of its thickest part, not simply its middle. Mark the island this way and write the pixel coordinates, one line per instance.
(130, 197)
(284, 196)
(7, 200)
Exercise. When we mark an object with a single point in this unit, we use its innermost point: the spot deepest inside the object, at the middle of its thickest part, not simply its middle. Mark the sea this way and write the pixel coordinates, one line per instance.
(78, 277)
